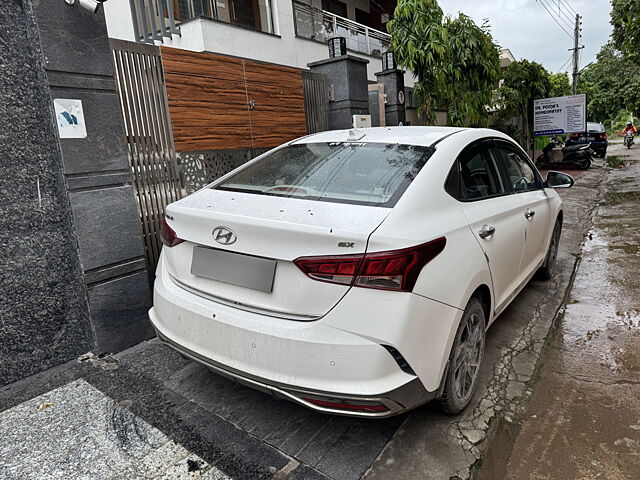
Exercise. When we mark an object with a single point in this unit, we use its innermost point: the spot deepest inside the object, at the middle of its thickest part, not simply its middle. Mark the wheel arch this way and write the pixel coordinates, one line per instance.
(483, 293)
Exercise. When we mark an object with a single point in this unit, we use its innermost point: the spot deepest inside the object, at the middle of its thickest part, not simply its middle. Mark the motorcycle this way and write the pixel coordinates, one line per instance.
(579, 155)
(628, 139)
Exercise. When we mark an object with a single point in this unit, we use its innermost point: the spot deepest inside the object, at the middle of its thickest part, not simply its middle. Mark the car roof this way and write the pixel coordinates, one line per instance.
(425, 136)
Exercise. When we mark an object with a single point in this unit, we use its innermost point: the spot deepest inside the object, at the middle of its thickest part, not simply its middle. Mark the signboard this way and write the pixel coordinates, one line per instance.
(555, 116)
(70, 118)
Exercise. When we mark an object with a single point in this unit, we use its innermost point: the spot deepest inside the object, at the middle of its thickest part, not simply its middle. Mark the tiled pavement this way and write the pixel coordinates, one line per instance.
(77, 432)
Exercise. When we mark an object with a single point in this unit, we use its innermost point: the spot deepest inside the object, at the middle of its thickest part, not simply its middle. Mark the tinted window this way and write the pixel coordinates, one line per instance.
(593, 127)
(520, 174)
(478, 175)
(358, 173)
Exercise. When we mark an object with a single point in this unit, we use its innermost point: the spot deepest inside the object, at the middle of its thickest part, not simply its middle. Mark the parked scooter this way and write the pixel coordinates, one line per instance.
(579, 155)
(628, 139)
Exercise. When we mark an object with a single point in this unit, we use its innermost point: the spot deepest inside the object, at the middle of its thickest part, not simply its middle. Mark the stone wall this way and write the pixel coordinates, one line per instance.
(44, 313)
(72, 274)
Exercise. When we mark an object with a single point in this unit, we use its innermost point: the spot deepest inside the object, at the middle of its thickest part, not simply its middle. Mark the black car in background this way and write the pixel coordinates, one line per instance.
(595, 134)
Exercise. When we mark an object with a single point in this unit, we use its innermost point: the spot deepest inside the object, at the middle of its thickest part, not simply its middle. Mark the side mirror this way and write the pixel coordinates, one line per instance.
(559, 180)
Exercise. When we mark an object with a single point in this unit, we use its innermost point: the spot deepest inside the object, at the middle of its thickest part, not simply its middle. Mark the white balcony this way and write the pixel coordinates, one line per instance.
(320, 25)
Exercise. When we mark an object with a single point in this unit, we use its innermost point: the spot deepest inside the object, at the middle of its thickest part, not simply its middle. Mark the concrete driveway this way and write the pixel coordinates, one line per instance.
(190, 423)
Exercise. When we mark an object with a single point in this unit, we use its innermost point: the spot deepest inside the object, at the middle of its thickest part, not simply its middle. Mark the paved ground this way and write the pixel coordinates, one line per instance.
(225, 429)
(583, 420)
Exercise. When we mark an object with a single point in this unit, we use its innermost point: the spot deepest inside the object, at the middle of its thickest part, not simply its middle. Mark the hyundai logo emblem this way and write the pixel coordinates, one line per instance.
(224, 236)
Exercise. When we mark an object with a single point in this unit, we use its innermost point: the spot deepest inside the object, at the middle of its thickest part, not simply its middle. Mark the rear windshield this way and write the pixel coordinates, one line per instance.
(357, 173)
(595, 127)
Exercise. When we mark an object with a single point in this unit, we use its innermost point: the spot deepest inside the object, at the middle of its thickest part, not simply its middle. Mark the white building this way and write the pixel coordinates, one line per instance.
(284, 32)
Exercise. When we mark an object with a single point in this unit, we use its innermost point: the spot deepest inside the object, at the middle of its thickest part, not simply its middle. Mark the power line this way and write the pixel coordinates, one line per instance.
(567, 18)
(565, 64)
(548, 6)
(564, 10)
(555, 19)
(566, 2)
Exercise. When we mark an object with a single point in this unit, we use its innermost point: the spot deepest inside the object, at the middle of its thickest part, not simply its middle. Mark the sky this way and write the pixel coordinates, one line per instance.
(525, 27)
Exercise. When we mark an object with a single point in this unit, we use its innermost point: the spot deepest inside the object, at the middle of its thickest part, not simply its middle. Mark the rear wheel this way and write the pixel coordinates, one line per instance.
(464, 360)
(548, 269)
(585, 164)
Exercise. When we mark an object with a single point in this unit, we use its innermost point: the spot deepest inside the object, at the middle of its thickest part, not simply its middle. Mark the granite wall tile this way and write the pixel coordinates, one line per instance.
(73, 39)
(119, 312)
(107, 225)
(104, 149)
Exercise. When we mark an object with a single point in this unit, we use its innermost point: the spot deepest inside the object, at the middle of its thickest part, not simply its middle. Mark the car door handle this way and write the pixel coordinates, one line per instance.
(486, 231)
(529, 214)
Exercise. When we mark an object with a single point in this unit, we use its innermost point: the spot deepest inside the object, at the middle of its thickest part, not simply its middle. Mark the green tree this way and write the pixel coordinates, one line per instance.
(560, 85)
(625, 18)
(612, 84)
(456, 62)
(524, 81)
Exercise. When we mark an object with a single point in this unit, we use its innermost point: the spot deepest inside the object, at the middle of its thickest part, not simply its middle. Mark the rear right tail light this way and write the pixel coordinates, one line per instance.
(601, 136)
(168, 235)
(392, 270)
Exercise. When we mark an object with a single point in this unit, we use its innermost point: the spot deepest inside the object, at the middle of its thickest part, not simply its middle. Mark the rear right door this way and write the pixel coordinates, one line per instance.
(494, 216)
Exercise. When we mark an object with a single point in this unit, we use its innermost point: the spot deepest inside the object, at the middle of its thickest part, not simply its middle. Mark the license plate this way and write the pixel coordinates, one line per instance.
(234, 268)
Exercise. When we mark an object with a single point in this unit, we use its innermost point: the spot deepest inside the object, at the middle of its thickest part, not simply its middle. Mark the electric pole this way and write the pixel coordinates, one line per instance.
(576, 50)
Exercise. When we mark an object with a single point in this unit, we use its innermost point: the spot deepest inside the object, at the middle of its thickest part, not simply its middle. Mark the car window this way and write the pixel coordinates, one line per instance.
(593, 127)
(374, 174)
(520, 174)
(477, 175)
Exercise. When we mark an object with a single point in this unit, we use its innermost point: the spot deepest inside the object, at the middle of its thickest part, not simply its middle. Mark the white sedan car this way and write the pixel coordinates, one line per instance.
(356, 272)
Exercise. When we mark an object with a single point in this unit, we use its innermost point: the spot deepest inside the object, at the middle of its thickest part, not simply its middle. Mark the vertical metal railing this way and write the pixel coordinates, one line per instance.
(315, 88)
(152, 156)
(154, 19)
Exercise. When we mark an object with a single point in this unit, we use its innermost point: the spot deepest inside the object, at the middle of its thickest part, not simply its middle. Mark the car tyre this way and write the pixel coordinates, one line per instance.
(548, 268)
(585, 164)
(465, 359)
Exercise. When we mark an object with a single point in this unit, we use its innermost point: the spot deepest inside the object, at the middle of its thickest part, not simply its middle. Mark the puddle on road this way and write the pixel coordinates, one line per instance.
(598, 336)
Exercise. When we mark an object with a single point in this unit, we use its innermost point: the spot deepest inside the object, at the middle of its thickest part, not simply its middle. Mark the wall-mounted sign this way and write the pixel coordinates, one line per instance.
(70, 118)
(559, 115)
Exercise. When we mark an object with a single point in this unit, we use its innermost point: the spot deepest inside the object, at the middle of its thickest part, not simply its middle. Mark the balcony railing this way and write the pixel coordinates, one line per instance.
(320, 25)
(155, 19)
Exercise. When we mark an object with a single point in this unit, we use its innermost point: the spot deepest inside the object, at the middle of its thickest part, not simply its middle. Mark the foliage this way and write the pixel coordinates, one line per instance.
(456, 62)
(625, 18)
(524, 81)
(612, 84)
(560, 85)
(618, 122)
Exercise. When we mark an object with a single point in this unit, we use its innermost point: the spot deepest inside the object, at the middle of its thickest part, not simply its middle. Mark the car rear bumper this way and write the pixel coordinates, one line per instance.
(335, 360)
(397, 401)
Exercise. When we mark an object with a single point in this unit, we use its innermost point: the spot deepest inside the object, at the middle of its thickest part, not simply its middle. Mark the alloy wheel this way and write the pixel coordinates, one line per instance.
(468, 357)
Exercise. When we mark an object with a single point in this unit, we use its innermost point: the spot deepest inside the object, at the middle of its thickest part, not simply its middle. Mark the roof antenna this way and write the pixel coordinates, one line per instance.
(355, 134)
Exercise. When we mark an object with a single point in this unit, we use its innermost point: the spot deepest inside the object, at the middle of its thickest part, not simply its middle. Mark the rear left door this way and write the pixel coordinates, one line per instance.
(527, 186)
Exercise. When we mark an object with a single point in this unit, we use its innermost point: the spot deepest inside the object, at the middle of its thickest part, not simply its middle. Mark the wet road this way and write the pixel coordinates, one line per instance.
(583, 420)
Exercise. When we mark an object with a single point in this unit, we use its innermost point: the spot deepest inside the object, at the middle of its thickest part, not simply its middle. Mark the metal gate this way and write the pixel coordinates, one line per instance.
(152, 156)
(315, 87)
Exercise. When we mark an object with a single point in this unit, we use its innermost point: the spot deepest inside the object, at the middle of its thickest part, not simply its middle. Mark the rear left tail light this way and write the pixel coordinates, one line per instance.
(575, 136)
(168, 235)
(392, 270)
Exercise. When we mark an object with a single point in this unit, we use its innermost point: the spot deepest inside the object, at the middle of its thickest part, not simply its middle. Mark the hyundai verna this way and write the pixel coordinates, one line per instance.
(356, 271)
